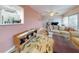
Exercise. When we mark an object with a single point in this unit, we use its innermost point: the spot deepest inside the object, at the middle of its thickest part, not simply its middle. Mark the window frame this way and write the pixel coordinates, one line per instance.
(68, 19)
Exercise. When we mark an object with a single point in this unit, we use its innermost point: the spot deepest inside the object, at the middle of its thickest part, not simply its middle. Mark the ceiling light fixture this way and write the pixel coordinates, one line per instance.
(51, 14)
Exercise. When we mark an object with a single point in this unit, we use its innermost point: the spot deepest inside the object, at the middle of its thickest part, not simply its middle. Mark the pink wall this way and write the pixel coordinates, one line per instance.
(31, 19)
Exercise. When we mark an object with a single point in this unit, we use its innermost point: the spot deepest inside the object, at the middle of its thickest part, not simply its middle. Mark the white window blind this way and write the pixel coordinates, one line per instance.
(71, 21)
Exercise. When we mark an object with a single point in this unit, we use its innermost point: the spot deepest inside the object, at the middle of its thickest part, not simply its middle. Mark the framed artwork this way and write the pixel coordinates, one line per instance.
(11, 14)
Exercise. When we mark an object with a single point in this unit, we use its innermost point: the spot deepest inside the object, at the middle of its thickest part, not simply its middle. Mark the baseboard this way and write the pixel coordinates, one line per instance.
(11, 49)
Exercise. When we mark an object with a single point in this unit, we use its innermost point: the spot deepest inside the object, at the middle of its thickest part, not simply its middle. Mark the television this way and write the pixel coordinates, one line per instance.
(54, 23)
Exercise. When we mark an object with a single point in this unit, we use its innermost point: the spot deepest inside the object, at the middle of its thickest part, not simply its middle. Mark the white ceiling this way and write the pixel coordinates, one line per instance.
(60, 9)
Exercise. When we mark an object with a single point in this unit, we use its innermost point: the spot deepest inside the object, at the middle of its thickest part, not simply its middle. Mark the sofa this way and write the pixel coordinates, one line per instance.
(72, 36)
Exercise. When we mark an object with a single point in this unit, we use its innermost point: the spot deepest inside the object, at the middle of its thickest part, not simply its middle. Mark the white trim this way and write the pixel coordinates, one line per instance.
(8, 51)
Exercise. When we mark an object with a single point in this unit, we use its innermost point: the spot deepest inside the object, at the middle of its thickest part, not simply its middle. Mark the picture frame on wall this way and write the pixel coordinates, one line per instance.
(11, 14)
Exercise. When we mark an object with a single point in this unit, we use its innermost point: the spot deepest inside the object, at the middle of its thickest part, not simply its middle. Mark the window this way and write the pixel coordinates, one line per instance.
(71, 21)
(65, 21)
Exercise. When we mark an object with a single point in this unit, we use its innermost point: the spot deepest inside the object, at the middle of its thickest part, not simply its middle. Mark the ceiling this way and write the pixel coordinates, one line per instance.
(60, 9)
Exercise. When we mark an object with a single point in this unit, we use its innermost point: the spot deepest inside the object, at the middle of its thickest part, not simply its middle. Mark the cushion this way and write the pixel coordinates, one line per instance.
(75, 33)
(62, 28)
